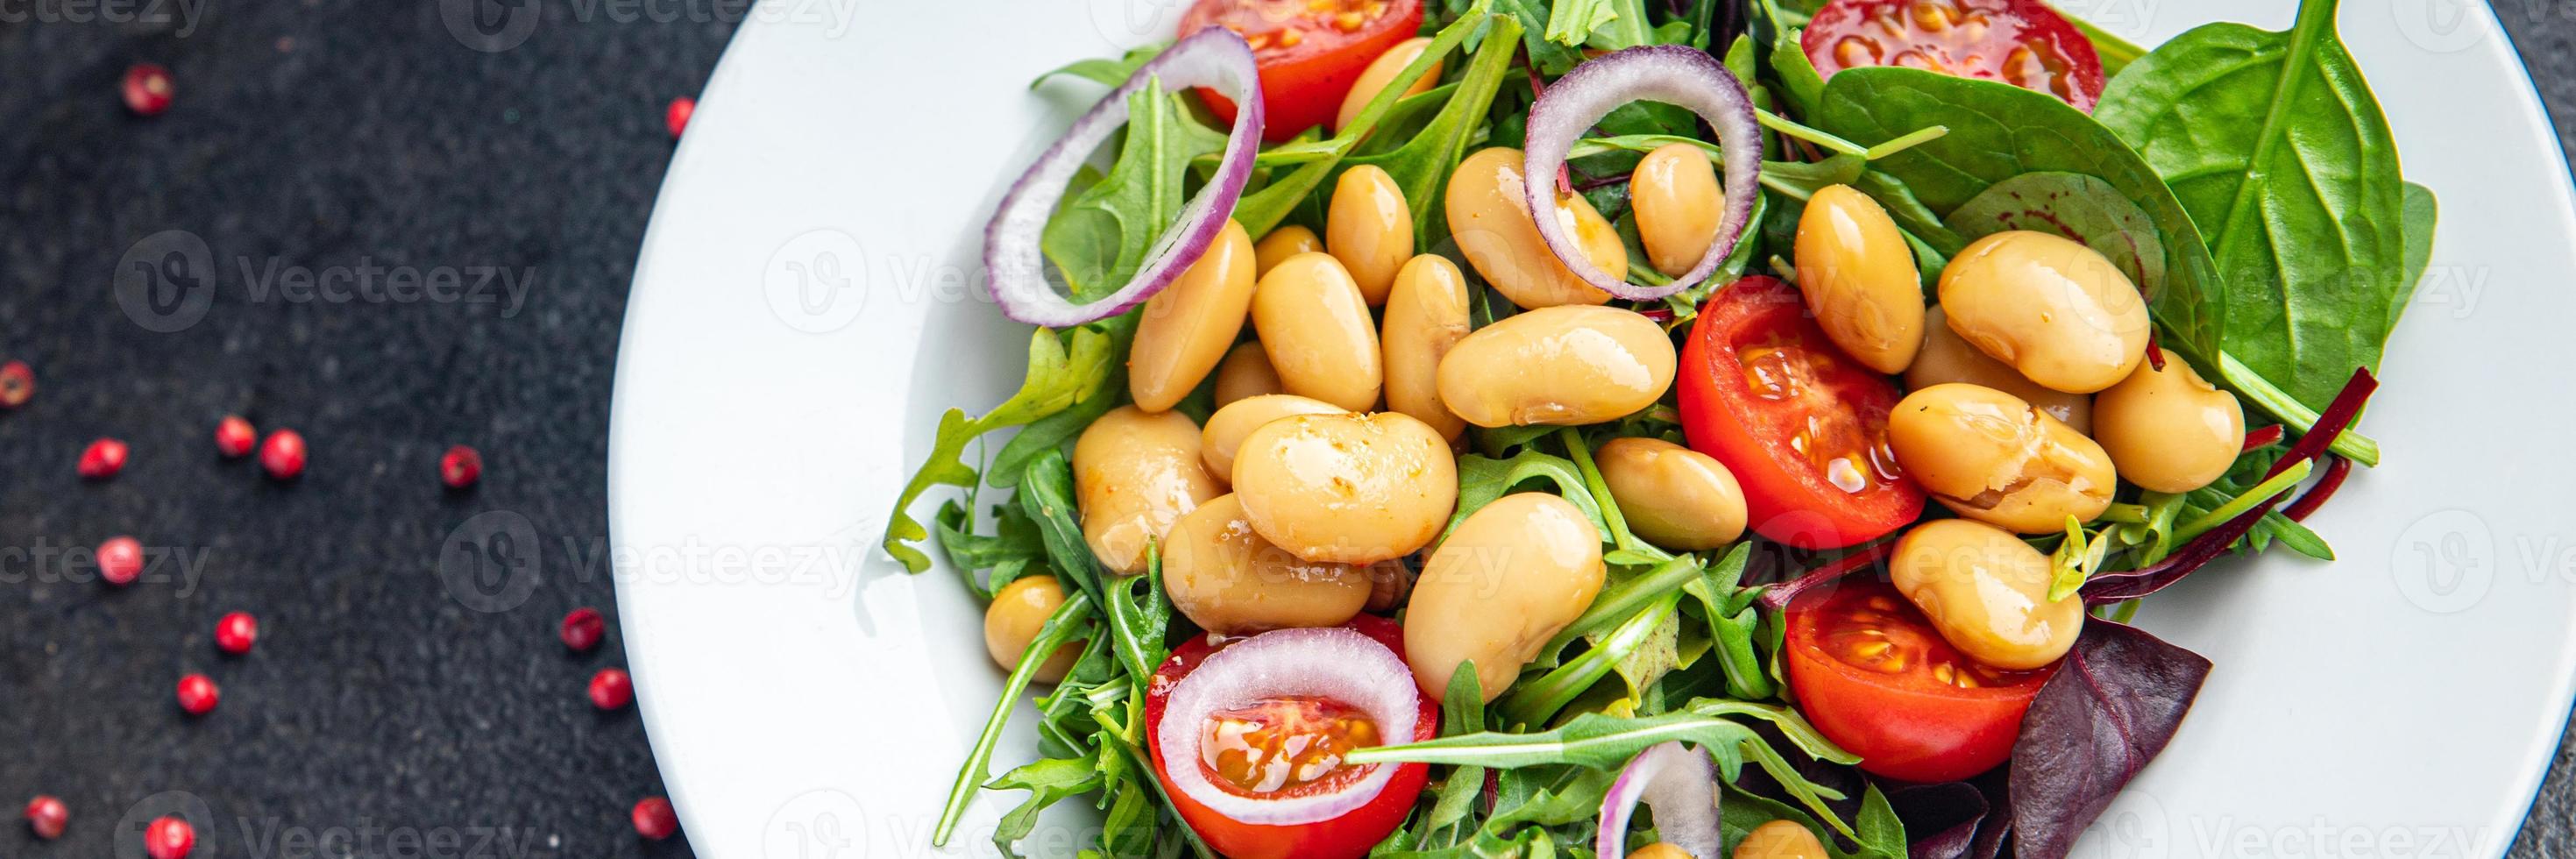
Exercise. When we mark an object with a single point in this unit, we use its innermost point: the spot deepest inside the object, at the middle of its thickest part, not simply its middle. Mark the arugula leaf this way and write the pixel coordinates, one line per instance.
(1607, 742)
(1104, 71)
(1481, 480)
(1572, 21)
(1877, 831)
(2275, 145)
(1071, 621)
(1998, 131)
(1046, 493)
(1101, 234)
(1421, 166)
(1064, 369)
(1048, 781)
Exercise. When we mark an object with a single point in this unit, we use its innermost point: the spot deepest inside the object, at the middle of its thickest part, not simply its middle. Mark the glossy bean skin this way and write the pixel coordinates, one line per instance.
(1227, 428)
(1229, 581)
(1946, 358)
(1507, 580)
(1490, 219)
(1287, 240)
(1986, 592)
(1859, 279)
(1426, 316)
(1568, 365)
(1316, 329)
(1187, 327)
(2169, 430)
(2053, 309)
(1991, 457)
(1780, 839)
(1659, 850)
(1347, 488)
(1672, 496)
(1382, 71)
(1013, 620)
(1679, 206)
(1246, 372)
(1369, 228)
(1134, 474)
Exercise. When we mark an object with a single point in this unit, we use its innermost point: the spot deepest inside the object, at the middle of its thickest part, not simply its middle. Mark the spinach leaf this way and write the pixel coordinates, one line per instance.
(1100, 235)
(1998, 131)
(2420, 213)
(2276, 147)
(2109, 710)
(1064, 369)
(2073, 205)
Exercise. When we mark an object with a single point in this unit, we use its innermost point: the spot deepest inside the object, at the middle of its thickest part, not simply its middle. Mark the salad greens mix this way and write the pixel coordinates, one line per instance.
(2244, 180)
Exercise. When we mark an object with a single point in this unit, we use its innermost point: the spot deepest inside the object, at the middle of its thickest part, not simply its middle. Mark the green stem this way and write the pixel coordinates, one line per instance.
(1623, 599)
(2133, 513)
(1817, 136)
(1600, 489)
(2288, 410)
(2264, 491)
(1919, 137)
(1063, 626)
(1540, 700)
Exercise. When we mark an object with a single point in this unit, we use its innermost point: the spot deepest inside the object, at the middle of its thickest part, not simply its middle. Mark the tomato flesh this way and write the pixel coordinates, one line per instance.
(1288, 747)
(1309, 52)
(2019, 42)
(1878, 680)
(1802, 426)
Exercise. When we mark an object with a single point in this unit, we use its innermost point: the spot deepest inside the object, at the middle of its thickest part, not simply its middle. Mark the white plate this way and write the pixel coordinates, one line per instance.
(804, 696)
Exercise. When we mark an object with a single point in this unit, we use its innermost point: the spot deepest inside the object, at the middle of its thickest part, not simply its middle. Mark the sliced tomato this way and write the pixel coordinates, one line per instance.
(1309, 51)
(2019, 42)
(1305, 724)
(1802, 426)
(1878, 680)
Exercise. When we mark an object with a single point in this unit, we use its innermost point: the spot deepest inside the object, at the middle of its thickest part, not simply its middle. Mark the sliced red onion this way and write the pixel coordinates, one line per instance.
(1672, 74)
(1332, 663)
(1681, 786)
(1215, 58)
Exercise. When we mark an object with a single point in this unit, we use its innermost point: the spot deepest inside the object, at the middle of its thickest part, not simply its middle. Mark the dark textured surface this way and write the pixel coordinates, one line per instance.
(379, 715)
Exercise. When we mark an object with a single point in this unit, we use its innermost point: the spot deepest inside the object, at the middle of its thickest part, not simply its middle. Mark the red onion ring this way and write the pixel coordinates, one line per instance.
(1336, 663)
(1215, 58)
(1681, 786)
(1673, 74)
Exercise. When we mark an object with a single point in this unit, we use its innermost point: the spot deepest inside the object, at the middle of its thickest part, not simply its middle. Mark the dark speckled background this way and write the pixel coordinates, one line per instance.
(379, 715)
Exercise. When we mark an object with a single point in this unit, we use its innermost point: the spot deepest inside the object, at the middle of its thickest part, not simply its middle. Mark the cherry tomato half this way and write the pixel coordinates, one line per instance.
(1878, 680)
(1802, 426)
(1309, 51)
(2019, 42)
(1296, 723)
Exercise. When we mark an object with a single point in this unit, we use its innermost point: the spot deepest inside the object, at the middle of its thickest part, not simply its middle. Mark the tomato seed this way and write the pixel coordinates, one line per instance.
(236, 632)
(120, 560)
(654, 818)
(582, 629)
(47, 816)
(611, 689)
(283, 454)
(198, 696)
(147, 89)
(234, 437)
(169, 838)
(102, 459)
(676, 117)
(460, 467)
(17, 384)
